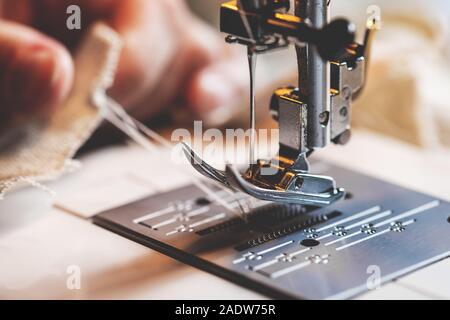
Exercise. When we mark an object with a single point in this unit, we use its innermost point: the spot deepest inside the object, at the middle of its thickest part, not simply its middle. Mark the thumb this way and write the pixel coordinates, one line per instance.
(35, 71)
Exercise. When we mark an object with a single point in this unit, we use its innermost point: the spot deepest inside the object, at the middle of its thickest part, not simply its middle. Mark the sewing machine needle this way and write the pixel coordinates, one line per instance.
(252, 66)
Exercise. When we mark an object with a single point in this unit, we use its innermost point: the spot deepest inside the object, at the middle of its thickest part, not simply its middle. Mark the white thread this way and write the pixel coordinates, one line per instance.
(7, 186)
(138, 132)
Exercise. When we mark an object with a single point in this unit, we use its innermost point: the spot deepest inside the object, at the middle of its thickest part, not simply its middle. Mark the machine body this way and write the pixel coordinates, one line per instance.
(317, 112)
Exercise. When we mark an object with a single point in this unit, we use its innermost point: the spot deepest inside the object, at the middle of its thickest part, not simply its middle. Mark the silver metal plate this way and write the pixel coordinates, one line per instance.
(377, 234)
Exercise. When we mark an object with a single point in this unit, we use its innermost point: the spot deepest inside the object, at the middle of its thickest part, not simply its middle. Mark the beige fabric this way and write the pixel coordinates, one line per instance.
(407, 94)
(48, 150)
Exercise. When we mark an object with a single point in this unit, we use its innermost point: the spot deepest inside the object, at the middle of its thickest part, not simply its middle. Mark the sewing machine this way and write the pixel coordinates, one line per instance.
(300, 236)
(331, 73)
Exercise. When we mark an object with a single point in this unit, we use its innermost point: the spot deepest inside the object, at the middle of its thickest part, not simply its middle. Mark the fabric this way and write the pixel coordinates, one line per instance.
(48, 149)
(407, 94)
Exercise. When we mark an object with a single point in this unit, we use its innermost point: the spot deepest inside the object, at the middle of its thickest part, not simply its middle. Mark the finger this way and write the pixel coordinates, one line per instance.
(36, 72)
(18, 11)
(216, 91)
(149, 29)
(201, 55)
(219, 84)
(151, 45)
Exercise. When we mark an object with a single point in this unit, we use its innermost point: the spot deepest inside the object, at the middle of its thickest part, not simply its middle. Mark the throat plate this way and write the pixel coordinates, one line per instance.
(293, 251)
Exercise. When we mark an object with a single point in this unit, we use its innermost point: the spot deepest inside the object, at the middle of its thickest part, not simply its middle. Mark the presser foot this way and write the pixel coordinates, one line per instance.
(268, 182)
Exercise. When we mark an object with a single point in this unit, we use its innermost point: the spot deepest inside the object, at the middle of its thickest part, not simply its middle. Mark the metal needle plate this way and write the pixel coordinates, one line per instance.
(380, 232)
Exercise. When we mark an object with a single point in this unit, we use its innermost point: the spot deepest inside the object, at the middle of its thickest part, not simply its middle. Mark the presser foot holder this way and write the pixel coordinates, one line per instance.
(282, 185)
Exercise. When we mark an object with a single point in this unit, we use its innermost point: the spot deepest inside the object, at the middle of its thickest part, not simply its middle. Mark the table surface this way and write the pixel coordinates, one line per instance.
(43, 240)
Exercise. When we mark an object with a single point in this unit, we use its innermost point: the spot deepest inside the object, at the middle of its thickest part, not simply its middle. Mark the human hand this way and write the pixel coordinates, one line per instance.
(169, 56)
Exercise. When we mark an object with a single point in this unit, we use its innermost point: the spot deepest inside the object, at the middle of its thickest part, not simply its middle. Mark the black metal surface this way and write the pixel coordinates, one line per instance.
(292, 251)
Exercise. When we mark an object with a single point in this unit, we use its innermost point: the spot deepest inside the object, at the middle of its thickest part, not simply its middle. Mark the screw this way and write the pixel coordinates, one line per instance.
(346, 93)
(343, 112)
(324, 117)
(298, 183)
